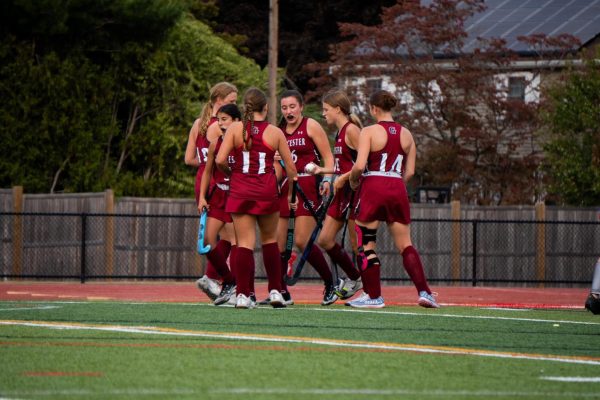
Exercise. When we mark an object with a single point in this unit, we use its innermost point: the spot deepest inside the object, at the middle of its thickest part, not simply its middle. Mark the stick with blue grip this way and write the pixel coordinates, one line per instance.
(202, 249)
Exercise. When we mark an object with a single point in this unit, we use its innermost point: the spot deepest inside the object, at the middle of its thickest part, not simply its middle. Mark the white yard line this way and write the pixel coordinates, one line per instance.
(592, 379)
(403, 392)
(149, 330)
(436, 314)
(29, 308)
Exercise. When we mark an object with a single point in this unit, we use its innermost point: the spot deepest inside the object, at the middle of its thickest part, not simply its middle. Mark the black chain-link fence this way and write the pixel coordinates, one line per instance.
(100, 246)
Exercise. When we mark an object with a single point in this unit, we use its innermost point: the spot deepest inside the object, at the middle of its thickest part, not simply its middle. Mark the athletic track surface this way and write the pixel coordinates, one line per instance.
(302, 293)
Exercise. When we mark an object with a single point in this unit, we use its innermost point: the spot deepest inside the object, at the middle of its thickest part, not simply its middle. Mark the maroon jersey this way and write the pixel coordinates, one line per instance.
(383, 195)
(253, 184)
(344, 156)
(302, 147)
(391, 160)
(202, 144)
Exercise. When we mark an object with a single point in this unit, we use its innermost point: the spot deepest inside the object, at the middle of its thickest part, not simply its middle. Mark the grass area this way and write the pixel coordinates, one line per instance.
(166, 350)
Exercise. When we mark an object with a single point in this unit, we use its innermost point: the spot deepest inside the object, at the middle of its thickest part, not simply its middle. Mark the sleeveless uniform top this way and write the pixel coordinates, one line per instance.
(344, 156)
(253, 184)
(303, 151)
(202, 144)
(302, 147)
(391, 160)
(259, 159)
(383, 195)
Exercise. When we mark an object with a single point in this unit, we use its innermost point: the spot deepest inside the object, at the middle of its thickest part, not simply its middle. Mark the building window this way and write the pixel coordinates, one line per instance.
(373, 85)
(516, 88)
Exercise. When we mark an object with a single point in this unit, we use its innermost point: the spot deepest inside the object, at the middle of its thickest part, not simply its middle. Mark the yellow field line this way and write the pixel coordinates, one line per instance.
(308, 340)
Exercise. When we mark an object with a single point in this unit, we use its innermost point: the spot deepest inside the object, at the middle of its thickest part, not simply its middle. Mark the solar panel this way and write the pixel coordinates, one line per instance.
(509, 19)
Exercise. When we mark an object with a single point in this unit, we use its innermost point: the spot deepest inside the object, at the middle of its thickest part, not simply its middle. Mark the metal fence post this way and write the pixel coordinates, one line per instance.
(474, 277)
(540, 253)
(83, 238)
(17, 230)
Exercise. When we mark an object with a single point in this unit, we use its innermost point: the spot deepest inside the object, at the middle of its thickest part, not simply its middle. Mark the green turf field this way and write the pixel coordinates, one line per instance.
(97, 350)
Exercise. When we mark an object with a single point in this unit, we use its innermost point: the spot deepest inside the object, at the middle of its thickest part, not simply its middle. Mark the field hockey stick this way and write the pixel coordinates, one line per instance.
(202, 249)
(304, 198)
(347, 217)
(291, 281)
(307, 204)
(289, 244)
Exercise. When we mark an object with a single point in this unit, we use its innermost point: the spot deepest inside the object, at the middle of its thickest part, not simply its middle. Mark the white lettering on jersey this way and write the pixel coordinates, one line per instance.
(261, 162)
(246, 162)
(382, 162)
(396, 165)
(204, 157)
(296, 142)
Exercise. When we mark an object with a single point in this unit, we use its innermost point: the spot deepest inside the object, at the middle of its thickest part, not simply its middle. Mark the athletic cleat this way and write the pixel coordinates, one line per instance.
(211, 287)
(362, 297)
(427, 300)
(227, 291)
(367, 302)
(242, 301)
(329, 296)
(348, 288)
(276, 298)
(232, 301)
(287, 298)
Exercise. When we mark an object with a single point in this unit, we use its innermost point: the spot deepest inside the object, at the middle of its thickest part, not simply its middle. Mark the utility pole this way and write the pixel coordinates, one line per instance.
(273, 50)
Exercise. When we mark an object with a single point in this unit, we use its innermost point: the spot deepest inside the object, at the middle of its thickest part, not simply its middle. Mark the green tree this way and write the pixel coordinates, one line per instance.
(102, 94)
(572, 145)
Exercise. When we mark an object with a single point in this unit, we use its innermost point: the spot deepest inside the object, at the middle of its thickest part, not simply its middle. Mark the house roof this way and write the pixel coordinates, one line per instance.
(509, 19)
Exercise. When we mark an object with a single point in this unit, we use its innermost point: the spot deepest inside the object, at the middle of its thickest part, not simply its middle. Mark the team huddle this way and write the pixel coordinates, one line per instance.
(286, 181)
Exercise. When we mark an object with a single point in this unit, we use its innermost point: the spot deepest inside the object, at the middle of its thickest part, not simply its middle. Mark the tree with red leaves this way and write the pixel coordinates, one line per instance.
(472, 135)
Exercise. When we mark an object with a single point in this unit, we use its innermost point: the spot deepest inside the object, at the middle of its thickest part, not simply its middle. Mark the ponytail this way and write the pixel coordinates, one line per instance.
(204, 116)
(254, 101)
(355, 120)
(247, 117)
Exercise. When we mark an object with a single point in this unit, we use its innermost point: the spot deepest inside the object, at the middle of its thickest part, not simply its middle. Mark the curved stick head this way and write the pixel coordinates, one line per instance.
(291, 280)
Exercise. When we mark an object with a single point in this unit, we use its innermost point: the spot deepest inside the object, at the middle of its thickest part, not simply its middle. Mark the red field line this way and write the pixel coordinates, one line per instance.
(504, 297)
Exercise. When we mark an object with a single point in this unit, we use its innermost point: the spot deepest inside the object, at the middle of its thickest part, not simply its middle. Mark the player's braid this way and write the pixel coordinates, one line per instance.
(248, 116)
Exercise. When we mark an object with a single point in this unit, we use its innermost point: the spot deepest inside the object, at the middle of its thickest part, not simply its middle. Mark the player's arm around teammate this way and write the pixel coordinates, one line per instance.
(336, 110)
(308, 143)
(213, 195)
(253, 200)
(196, 154)
(388, 152)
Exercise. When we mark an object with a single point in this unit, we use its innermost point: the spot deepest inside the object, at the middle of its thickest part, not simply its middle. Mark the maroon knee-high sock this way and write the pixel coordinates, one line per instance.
(217, 260)
(372, 281)
(232, 254)
(211, 271)
(224, 247)
(341, 258)
(244, 259)
(414, 268)
(272, 262)
(317, 260)
(284, 266)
